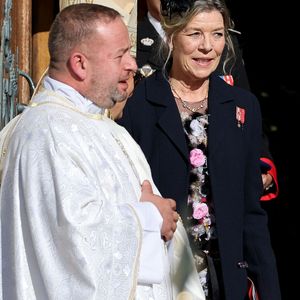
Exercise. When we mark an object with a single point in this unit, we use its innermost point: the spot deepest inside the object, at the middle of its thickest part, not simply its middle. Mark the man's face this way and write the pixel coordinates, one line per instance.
(110, 64)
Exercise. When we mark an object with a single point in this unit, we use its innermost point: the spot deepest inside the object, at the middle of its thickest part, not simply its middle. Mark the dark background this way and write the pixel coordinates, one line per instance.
(269, 37)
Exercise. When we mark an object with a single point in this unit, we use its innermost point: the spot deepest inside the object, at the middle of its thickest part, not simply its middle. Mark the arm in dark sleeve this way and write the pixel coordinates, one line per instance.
(266, 158)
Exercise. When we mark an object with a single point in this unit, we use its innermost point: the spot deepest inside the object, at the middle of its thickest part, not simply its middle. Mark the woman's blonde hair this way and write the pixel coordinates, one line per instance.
(174, 21)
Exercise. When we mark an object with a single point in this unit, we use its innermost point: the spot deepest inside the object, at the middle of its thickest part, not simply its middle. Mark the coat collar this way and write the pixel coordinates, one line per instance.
(221, 99)
(219, 91)
(159, 93)
(221, 111)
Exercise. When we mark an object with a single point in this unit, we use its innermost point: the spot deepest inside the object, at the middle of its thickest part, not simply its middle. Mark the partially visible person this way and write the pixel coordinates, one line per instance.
(149, 59)
(202, 139)
(234, 73)
(149, 36)
(80, 215)
(269, 172)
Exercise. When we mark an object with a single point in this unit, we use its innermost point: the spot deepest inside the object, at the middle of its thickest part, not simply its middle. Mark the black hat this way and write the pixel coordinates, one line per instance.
(169, 8)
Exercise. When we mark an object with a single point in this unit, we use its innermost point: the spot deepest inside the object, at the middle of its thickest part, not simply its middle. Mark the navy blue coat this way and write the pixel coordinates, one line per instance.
(152, 118)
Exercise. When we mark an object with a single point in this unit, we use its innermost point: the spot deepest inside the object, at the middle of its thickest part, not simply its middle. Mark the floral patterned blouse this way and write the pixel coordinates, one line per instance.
(200, 223)
(200, 218)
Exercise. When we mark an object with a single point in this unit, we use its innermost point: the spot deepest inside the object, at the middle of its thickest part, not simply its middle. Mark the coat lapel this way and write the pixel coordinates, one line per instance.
(221, 112)
(166, 108)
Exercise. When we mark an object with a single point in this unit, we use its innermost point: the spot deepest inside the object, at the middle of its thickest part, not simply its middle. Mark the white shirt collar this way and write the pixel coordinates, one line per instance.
(156, 24)
(71, 94)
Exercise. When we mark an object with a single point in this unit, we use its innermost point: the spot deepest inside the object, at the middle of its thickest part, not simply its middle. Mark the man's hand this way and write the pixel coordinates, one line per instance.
(166, 207)
(267, 181)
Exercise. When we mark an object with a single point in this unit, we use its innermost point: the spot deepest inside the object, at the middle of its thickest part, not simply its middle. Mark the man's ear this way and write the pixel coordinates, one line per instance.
(78, 65)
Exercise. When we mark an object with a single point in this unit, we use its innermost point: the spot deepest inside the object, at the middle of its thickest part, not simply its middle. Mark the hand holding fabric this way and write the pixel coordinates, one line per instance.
(166, 207)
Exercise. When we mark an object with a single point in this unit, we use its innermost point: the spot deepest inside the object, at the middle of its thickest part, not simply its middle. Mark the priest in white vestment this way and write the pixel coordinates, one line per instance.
(75, 219)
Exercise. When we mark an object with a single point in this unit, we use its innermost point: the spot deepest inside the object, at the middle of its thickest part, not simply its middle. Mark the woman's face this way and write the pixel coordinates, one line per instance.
(198, 47)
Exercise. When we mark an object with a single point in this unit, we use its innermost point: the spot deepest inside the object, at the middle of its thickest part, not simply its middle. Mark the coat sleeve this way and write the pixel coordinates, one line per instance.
(266, 158)
(258, 251)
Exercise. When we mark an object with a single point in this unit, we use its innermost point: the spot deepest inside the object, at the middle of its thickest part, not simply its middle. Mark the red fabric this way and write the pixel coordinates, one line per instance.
(273, 172)
(252, 293)
(228, 79)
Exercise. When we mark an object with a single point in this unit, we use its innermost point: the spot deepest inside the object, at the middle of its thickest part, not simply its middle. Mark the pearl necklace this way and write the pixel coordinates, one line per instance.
(185, 103)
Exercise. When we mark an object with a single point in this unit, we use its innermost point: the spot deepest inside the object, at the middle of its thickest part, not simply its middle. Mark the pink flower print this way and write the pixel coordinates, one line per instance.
(197, 158)
(200, 210)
